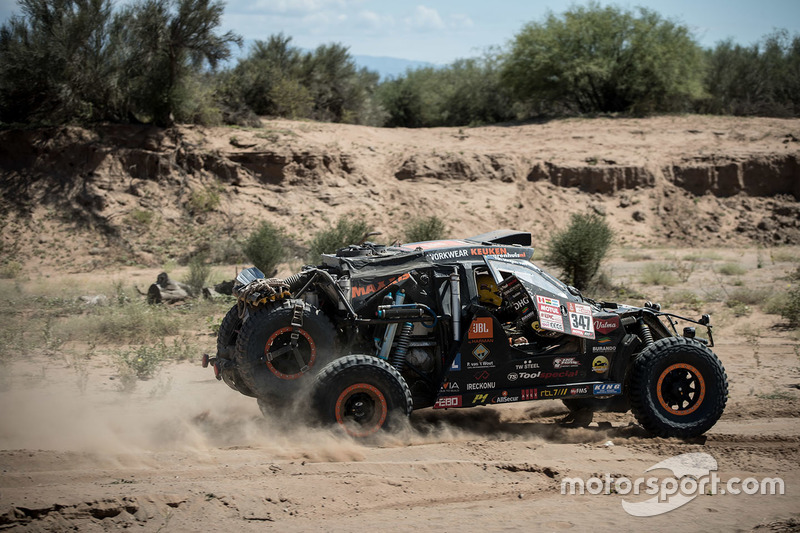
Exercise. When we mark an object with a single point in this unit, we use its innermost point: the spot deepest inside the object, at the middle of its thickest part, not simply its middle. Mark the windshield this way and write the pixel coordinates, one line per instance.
(528, 274)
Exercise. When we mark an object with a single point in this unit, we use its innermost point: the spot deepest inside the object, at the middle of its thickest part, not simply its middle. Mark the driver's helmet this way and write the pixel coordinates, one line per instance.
(487, 290)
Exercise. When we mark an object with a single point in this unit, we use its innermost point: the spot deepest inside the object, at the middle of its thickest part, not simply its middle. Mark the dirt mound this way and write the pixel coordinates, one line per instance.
(143, 194)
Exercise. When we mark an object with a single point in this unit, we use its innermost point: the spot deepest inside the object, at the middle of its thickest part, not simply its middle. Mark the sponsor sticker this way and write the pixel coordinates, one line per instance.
(580, 320)
(483, 374)
(566, 362)
(549, 313)
(513, 376)
(600, 364)
(529, 394)
(527, 365)
(604, 349)
(450, 254)
(449, 386)
(481, 328)
(607, 388)
(447, 401)
(554, 393)
(480, 398)
(456, 363)
(505, 398)
(574, 391)
(480, 386)
(606, 325)
(480, 352)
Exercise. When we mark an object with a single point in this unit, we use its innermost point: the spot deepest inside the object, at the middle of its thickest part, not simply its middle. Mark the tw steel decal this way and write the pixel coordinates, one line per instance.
(357, 292)
(447, 401)
(481, 328)
(606, 325)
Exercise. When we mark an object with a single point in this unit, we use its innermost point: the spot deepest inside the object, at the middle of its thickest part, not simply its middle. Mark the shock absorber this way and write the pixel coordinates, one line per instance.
(401, 347)
(644, 331)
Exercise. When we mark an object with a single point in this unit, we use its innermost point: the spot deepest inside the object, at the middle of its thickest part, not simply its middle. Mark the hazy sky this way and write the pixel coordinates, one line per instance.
(441, 31)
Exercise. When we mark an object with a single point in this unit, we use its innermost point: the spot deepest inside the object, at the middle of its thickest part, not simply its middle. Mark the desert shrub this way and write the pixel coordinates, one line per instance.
(748, 296)
(699, 257)
(143, 361)
(10, 270)
(347, 231)
(658, 274)
(684, 298)
(266, 247)
(791, 307)
(731, 269)
(199, 271)
(203, 200)
(424, 229)
(579, 249)
(136, 321)
(140, 216)
(226, 251)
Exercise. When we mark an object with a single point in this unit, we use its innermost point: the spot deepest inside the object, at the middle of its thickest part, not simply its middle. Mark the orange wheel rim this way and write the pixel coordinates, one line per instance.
(289, 366)
(361, 409)
(680, 389)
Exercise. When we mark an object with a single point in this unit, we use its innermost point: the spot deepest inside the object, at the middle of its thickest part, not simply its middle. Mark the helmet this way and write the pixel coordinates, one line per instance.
(487, 290)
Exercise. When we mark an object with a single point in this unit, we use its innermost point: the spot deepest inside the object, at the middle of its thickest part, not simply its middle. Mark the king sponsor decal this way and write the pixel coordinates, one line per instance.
(607, 388)
(447, 401)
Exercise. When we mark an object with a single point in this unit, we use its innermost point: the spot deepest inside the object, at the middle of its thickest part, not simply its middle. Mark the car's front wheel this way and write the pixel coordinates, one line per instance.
(678, 388)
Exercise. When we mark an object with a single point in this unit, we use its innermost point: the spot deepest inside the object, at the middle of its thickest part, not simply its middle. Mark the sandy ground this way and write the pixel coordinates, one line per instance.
(182, 452)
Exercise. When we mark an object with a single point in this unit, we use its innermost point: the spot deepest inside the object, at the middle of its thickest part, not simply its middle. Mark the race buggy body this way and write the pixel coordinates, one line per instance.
(375, 332)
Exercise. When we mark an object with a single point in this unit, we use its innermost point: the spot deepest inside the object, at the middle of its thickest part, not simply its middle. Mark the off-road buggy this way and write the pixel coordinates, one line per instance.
(375, 332)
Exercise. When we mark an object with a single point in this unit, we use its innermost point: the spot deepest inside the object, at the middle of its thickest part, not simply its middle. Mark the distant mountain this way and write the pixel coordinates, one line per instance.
(390, 66)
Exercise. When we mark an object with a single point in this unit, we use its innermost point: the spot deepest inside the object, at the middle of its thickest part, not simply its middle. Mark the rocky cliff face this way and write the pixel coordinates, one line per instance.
(132, 184)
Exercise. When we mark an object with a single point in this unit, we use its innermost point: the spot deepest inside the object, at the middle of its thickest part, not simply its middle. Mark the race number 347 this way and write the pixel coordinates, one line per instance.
(580, 320)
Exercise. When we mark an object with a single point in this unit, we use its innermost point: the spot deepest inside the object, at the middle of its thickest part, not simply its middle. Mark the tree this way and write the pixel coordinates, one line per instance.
(57, 63)
(595, 58)
(166, 42)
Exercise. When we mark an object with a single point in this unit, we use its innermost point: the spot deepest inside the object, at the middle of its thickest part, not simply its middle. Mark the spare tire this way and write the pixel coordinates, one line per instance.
(276, 358)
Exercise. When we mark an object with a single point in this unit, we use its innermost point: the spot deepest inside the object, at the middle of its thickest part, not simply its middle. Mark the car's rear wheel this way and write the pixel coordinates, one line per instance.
(678, 388)
(226, 348)
(362, 395)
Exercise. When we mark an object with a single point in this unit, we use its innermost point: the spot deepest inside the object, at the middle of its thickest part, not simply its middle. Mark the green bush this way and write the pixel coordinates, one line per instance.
(266, 248)
(579, 250)
(658, 274)
(199, 271)
(732, 269)
(791, 307)
(347, 231)
(424, 229)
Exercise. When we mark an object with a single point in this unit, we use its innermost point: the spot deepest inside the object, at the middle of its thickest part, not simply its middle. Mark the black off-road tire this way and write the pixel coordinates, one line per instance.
(226, 348)
(678, 388)
(277, 379)
(361, 394)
